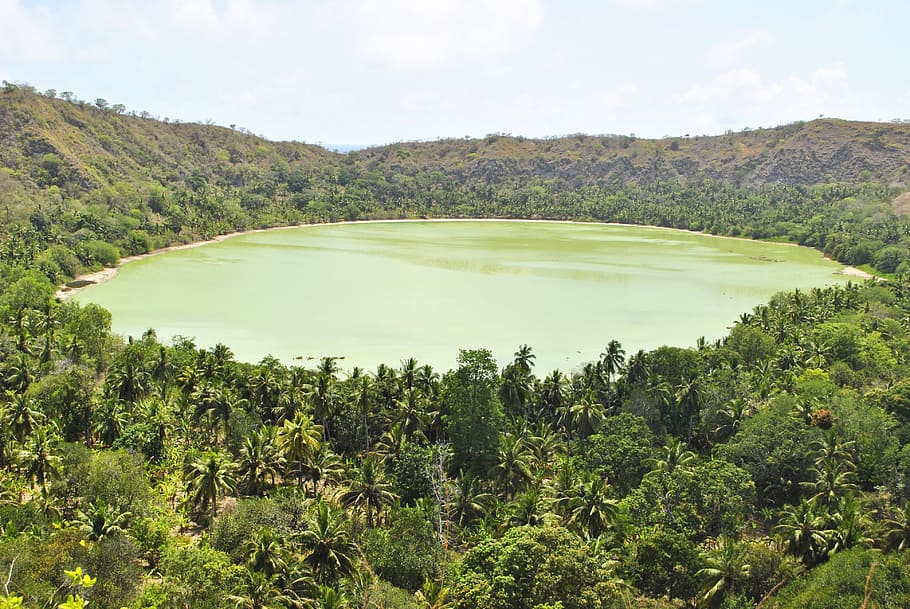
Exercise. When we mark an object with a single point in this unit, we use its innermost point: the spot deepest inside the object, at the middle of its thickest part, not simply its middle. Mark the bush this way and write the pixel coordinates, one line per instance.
(101, 252)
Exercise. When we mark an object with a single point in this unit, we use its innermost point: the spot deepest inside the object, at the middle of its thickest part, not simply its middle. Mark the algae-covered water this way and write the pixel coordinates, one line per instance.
(380, 292)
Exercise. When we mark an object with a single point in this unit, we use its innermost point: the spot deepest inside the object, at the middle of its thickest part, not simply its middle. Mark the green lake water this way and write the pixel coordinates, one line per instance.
(381, 292)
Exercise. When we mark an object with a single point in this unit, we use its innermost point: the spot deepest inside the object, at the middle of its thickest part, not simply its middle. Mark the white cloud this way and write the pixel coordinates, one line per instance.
(418, 34)
(650, 4)
(730, 52)
(26, 34)
(244, 18)
(745, 96)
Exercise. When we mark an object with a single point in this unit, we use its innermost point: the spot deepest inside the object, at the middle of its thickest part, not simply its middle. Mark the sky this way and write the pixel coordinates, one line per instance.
(366, 72)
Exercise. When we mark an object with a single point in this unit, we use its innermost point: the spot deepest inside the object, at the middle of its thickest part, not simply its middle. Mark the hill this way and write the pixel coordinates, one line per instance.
(76, 176)
(47, 141)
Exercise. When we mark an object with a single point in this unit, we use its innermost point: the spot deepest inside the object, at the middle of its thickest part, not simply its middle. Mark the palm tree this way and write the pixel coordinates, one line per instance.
(266, 552)
(586, 416)
(260, 458)
(591, 509)
(208, 476)
(162, 371)
(299, 439)
(260, 591)
(411, 412)
(552, 395)
(515, 390)
(368, 489)
(529, 509)
(22, 417)
(524, 359)
(804, 531)
(101, 520)
(613, 359)
(409, 370)
(724, 572)
(363, 398)
(215, 402)
(127, 379)
(328, 597)
(514, 462)
(41, 462)
(20, 372)
(323, 466)
(469, 501)
(674, 454)
(330, 551)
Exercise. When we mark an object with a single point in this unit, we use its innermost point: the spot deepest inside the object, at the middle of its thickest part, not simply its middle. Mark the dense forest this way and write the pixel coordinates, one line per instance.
(771, 468)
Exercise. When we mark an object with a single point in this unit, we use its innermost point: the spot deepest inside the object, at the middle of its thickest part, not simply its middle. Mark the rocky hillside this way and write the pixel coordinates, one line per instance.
(80, 147)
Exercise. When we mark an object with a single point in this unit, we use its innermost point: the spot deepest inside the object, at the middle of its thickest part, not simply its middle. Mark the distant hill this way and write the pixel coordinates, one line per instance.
(80, 147)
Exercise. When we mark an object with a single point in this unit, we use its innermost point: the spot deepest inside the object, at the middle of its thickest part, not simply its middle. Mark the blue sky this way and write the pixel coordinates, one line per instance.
(375, 71)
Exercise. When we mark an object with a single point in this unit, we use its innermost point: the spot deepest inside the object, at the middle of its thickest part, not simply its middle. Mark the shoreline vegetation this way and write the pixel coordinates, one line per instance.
(82, 281)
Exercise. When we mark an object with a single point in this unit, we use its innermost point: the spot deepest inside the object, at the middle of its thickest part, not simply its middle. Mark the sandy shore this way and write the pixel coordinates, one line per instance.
(852, 271)
(81, 282)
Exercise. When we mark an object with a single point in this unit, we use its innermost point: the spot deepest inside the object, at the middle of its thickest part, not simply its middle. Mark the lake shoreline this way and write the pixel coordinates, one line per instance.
(80, 282)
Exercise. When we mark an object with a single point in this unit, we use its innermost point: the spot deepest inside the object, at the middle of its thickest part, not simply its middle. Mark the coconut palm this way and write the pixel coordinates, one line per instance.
(39, 456)
(260, 458)
(299, 439)
(19, 372)
(529, 509)
(613, 359)
(469, 500)
(724, 572)
(674, 454)
(215, 403)
(586, 416)
(22, 416)
(266, 552)
(804, 532)
(411, 409)
(368, 490)
(514, 464)
(515, 390)
(330, 552)
(328, 597)
(127, 379)
(208, 476)
(591, 509)
(322, 467)
(259, 591)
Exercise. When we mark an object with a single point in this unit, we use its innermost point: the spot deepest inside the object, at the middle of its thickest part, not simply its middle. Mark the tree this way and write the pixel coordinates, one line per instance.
(613, 359)
(474, 414)
(512, 471)
(330, 552)
(591, 509)
(299, 439)
(260, 458)
(208, 476)
(40, 458)
(724, 572)
(368, 490)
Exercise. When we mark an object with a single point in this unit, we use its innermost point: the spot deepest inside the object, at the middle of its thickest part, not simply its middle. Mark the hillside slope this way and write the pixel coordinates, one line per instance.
(47, 141)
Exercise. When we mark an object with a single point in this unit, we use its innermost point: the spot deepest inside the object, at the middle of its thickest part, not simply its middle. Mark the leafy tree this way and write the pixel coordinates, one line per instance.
(474, 414)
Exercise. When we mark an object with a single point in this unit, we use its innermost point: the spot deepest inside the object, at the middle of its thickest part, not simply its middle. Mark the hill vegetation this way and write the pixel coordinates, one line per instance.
(770, 468)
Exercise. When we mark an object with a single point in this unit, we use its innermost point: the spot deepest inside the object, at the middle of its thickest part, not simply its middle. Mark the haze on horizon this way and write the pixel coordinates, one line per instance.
(363, 72)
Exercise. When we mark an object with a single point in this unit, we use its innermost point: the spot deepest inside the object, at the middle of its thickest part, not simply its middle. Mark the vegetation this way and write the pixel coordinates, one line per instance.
(771, 467)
